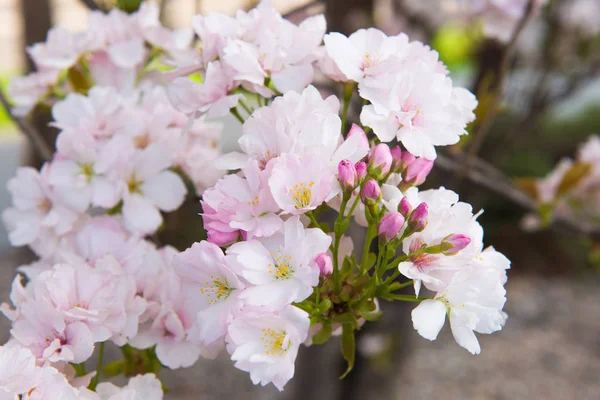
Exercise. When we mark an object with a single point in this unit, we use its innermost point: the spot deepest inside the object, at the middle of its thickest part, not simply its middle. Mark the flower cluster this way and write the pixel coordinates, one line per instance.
(571, 189)
(278, 268)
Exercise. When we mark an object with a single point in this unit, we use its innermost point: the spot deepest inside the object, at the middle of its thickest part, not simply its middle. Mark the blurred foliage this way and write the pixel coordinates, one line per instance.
(129, 5)
(5, 121)
(455, 44)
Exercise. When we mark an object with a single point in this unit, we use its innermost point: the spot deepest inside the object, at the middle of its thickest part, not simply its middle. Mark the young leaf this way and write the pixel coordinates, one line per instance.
(323, 335)
(324, 305)
(573, 177)
(348, 347)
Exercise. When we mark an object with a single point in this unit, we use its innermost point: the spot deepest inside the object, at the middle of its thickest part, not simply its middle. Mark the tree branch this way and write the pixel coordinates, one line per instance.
(498, 87)
(485, 175)
(34, 137)
(306, 7)
(91, 4)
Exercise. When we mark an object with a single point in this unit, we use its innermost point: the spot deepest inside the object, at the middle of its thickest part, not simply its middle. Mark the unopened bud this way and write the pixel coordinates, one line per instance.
(406, 159)
(361, 170)
(371, 192)
(454, 243)
(222, 239)
(363, 141)
(347, 175)
(390, 225)
(323, 261)
(380, 160)
(418, 218)
(416, 173)
(404, 207)
(396, 153)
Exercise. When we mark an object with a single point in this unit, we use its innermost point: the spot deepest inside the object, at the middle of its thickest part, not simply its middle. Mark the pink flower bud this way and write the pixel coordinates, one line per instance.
(361, 170)
(380, 160)
(390, 225)
(323, 261)
(347, 174)
(222, 239)
(416, 173)
(418, 218)
(407, 159)
(404, 207)
(454, 243)
(363, 141)
(396, 153)
(371, 192)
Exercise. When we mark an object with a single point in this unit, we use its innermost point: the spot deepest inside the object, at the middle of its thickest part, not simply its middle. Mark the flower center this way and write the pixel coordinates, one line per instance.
(217, 289)
(133, 185)
(301, 193)
(87, 171)
(45, 206)
(275, 343)
(283, 268)
(254, 201)
(264, 159)
(141, 141)
(421, 260)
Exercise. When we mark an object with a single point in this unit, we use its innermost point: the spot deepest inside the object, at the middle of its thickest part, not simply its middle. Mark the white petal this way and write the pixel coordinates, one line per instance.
(140, 215)
(166, 190)
(428, 318)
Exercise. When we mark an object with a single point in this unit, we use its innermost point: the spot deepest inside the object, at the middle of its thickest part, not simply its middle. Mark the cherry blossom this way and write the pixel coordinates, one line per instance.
(265, 344)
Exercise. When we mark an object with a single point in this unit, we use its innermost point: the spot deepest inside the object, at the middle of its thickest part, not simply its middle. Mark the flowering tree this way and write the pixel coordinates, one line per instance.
(134, 103)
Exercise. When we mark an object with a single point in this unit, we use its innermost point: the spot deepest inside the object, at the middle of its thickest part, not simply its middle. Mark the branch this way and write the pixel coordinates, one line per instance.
(91, 4)
(486, 123)
(36, 139)
(485, 175)
(293, 13)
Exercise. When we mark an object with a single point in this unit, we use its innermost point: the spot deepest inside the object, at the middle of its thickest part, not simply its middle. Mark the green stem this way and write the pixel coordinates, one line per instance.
(365, 256)
(245, 106)
(79, 369)
(313, 220)
(336, 244)
(96, 377)
(348, 91)
(236, 114)
(354, 205)
(409, 298)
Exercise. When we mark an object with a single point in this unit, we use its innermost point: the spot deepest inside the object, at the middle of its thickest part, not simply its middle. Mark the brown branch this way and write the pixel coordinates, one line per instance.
(498, 86)
(91, 4)
(305, 8)
(34, 137)
(486, 176)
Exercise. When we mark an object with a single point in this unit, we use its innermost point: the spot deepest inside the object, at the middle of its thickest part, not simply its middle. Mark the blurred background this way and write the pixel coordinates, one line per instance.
(544, 90)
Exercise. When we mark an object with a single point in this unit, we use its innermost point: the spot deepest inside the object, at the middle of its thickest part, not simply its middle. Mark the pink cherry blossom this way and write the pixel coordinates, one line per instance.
(210, 287)
(300, 184)
(281, 268)
(265, 344)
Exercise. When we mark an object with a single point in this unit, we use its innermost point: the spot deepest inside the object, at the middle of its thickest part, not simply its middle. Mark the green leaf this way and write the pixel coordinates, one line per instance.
(371, 259)
(324, 305)
(348, 347)
(341, 226)
(346, 319)
(573, 177)
(391, 252)
(371, 316)
(116, 209)
(348, 265)
(78, 81)
(323, 335)
(529, 186)
(129, 6)
(325, 226)
(113, 368)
